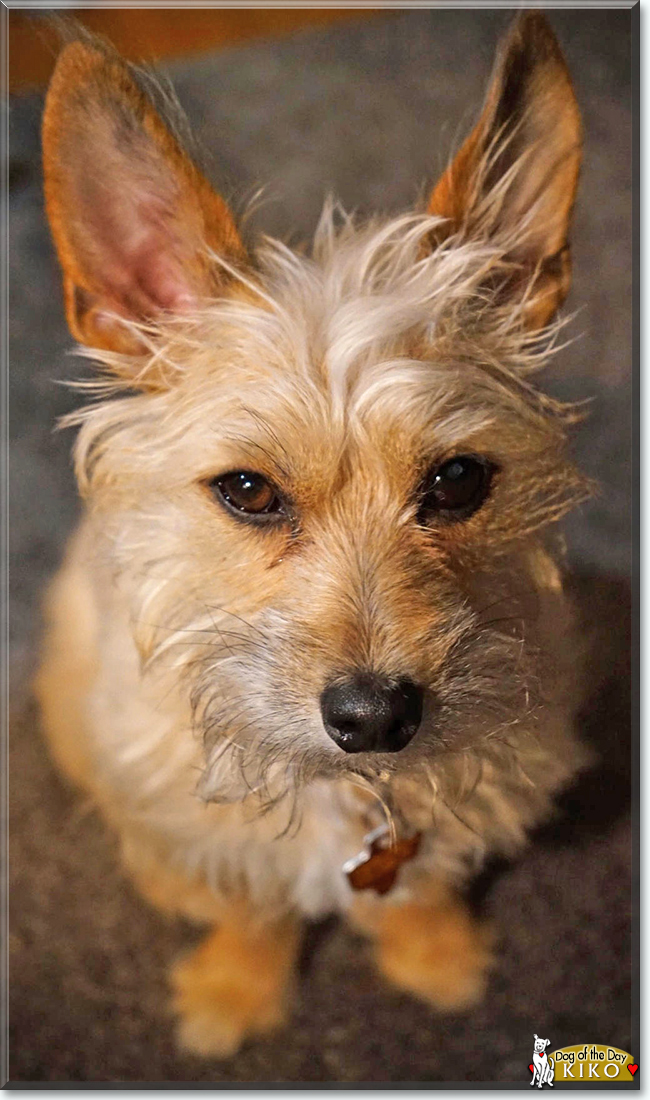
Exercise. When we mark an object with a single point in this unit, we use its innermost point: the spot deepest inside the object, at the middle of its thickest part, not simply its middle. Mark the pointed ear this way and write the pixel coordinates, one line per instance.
(131, 216)
(515, 178)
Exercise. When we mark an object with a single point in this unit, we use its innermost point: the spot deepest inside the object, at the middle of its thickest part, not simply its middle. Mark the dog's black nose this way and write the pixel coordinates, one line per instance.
(365, 715)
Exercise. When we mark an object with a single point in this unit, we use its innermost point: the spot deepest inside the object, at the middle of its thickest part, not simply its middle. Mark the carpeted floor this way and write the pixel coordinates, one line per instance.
(371, 112)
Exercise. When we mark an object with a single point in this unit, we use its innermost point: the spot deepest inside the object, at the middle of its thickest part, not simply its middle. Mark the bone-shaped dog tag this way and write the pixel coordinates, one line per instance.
(377, 866)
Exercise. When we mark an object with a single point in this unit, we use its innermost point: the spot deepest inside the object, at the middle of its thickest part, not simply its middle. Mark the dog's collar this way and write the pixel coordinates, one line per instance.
(377, 865)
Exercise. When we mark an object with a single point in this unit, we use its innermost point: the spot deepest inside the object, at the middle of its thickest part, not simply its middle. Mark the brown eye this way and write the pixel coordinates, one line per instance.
(249, 494)
(456, 489)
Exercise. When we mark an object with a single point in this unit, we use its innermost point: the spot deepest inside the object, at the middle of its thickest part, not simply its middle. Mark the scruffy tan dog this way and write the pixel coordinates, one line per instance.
(309, 651)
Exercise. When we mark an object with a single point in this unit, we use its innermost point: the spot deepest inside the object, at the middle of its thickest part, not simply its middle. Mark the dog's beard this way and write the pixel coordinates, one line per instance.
(263, 739)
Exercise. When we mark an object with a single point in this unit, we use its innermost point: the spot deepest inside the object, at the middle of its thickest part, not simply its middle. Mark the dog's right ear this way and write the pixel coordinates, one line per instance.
(133, 219)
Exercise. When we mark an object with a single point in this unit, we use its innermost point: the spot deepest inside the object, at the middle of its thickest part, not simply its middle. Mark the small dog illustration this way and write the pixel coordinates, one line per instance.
(309, 651)
(543, 1067)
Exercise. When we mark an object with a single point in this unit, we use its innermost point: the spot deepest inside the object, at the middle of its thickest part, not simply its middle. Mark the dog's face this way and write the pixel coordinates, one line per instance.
(541, 1045)
(325, 487)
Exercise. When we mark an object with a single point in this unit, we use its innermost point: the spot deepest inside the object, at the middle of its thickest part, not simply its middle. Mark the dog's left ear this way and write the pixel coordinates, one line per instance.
(514, 180)
(133, 219)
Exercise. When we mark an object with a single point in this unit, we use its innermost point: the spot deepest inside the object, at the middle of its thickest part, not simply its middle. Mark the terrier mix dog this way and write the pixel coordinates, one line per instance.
(309, 651)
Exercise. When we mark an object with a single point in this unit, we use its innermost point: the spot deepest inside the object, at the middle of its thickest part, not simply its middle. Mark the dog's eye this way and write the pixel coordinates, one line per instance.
(243, 491)
(456, 489)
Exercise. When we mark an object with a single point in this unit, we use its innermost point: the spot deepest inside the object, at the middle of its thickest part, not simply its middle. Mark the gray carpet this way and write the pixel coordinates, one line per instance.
(369, 111)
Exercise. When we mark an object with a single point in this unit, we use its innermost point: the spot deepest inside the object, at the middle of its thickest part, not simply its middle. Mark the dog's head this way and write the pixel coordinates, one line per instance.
(324, 484)
(541, 1044)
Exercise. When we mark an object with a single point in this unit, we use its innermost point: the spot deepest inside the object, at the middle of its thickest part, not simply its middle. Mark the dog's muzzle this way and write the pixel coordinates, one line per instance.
(364, 714)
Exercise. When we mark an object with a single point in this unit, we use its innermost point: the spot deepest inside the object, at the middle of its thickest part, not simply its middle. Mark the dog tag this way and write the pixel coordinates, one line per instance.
(377, 866)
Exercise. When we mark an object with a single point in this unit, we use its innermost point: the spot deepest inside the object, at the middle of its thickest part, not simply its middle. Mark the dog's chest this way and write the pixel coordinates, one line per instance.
(302, 863)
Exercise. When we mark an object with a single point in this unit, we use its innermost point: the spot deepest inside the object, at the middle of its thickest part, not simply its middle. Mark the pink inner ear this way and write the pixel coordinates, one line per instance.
(139, 244)
(159, 276)
(142, 272)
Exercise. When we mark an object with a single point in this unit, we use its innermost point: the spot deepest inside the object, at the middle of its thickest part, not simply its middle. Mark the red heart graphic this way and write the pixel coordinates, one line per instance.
(633, 1067)
(532, 1068)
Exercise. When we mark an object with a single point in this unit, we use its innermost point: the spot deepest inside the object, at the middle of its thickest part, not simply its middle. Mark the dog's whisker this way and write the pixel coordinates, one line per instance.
(226, 611)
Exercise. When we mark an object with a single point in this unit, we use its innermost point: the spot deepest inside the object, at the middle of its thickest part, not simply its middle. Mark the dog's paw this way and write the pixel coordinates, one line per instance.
(229, 989)
(219, 1008)
(441, 955)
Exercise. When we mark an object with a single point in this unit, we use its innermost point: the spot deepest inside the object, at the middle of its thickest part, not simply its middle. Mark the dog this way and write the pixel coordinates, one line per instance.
(544, 1068)
(309, 650)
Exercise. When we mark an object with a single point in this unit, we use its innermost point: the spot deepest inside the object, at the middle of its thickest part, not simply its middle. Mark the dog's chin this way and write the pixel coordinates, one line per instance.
(269, 774)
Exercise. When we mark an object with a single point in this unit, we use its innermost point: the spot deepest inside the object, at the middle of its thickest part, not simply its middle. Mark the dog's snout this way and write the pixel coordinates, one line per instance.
(364, 714)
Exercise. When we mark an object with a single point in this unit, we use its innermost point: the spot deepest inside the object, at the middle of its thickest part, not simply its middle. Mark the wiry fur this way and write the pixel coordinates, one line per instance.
(201, 645)
(324, 360)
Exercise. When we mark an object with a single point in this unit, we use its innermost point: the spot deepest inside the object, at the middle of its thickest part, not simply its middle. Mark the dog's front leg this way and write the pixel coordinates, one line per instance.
(237, 982)
(429, 945)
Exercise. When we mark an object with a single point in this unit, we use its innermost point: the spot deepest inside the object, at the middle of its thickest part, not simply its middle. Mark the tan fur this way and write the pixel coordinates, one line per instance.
(187, 651)
(432, 948)
(235, 984)
(67, 672)
(547, 126)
